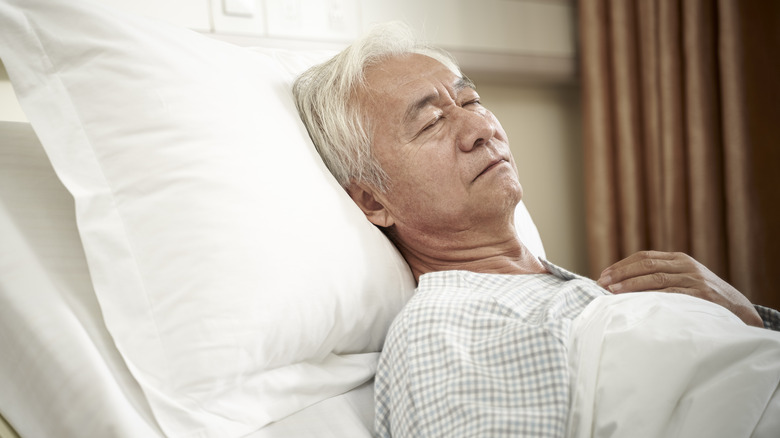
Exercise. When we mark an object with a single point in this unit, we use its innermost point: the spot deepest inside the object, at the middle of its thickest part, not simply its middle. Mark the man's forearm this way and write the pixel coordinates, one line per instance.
(771, 317)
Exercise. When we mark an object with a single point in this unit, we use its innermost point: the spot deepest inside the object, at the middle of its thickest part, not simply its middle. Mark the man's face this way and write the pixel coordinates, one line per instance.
(446, 155)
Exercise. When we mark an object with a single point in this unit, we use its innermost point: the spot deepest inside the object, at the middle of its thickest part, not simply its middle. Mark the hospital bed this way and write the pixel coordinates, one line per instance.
(176, 260)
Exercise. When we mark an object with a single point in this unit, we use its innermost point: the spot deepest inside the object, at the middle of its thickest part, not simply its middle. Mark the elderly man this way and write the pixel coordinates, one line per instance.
(483, 347)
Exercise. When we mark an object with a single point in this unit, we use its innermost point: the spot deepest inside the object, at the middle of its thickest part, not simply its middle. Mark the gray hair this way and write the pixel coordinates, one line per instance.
(325, 96)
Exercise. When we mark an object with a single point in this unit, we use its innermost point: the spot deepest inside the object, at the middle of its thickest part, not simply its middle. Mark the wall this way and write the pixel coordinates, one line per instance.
(531, 86)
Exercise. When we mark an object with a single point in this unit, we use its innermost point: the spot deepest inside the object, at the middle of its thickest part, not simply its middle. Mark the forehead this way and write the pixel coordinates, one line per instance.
(402, 85)
(402, 69)
(406, 75)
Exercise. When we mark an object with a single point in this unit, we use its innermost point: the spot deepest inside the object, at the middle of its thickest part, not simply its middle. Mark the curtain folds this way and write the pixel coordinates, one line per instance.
(679, 121)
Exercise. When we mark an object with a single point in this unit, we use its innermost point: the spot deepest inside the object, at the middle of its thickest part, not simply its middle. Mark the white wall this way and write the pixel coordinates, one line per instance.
(531, 88)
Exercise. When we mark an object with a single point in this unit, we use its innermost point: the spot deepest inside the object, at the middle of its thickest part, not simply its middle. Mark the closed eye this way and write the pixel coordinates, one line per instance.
(431, 124)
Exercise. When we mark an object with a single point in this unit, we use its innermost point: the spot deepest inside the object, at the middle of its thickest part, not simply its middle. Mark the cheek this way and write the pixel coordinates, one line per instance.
(435, 169)
(421, 184)
(500, 133)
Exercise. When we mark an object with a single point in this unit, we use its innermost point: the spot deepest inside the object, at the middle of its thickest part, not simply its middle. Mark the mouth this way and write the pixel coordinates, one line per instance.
(493, 164)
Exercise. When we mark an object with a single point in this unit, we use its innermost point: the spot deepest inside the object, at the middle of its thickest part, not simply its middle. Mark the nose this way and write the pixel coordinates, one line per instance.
(474, 128)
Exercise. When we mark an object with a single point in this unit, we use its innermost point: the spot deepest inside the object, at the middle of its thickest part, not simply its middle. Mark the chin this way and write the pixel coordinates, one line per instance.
(514, 192)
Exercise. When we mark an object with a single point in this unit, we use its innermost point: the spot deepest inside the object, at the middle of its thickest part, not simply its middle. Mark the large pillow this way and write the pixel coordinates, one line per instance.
(238, 281)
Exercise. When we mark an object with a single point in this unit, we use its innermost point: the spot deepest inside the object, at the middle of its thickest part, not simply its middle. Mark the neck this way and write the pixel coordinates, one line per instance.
(491, 253)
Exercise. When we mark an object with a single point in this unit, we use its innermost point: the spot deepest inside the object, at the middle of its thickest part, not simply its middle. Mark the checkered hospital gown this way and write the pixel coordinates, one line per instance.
(481, 355)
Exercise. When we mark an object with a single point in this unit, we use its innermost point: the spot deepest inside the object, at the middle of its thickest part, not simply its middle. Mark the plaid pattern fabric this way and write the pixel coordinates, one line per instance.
(481, 355)
(771, 317)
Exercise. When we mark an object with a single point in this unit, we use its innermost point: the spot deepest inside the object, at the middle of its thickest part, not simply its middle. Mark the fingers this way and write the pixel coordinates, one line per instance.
(657, 281)
(650, 270)
(676, 273)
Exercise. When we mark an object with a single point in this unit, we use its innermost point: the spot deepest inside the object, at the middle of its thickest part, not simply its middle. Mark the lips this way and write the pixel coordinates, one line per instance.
(492, 165)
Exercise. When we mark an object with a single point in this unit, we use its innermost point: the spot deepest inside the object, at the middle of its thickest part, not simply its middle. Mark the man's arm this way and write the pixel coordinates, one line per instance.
(677, 273)
(771, 317)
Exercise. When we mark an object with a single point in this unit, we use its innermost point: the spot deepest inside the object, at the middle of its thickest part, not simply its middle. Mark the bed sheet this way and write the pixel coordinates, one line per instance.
(345, 416)
(688, 367)
(60, 373)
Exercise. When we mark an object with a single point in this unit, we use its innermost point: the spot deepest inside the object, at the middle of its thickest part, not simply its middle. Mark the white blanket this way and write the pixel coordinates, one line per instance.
(668, 365)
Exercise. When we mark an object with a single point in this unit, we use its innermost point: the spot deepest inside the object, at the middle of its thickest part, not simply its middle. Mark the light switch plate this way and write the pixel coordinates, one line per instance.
(239, 8)
(319, 20)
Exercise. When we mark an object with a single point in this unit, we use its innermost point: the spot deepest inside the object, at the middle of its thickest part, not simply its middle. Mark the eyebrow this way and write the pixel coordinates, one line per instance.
(415, 107)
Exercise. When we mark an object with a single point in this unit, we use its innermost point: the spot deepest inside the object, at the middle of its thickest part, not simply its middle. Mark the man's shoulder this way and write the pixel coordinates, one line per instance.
(448, 295)
(440, 298)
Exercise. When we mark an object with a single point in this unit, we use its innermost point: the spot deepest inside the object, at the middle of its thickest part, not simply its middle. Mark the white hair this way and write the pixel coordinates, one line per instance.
(325, 96)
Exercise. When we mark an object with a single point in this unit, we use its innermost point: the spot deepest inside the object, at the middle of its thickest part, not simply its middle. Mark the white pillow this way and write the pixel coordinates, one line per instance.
(238, 281)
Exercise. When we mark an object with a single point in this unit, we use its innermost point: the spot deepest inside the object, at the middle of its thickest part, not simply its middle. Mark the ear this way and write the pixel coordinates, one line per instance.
(374, 209)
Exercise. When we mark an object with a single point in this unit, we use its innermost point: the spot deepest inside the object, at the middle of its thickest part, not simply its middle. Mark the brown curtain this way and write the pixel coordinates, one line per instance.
(682, 134)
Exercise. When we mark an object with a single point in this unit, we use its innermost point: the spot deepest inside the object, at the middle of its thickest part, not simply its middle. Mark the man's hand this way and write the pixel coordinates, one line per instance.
(677, 273)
